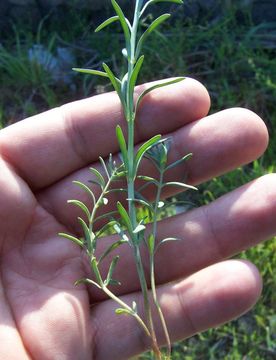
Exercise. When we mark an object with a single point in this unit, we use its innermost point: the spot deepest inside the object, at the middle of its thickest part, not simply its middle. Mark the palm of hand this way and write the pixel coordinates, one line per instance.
(43, 315)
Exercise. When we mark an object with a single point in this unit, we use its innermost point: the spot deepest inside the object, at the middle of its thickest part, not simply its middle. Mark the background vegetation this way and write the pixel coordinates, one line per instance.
(230, 53)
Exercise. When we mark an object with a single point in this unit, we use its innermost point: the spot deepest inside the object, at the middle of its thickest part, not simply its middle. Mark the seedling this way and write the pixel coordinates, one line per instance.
(124, 221)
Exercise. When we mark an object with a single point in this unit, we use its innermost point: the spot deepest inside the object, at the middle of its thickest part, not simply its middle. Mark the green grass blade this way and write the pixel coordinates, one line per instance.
(106, 23)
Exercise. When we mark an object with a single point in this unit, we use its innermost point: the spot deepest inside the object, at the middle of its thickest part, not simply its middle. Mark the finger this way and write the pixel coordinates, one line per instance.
(234, 222)
(49, 146)
(206, 299)
(11, 345)
(219, 142)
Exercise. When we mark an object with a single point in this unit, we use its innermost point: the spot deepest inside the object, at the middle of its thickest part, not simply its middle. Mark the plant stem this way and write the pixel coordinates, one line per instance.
(152, 268)
(137, 254)
(131, 174)
(125, 306)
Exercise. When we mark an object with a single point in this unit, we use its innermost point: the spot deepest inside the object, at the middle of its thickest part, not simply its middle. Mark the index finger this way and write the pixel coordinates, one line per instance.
(45, 148)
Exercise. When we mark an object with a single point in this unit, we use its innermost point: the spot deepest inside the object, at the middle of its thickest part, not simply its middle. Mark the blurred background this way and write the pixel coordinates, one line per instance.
(230, 46)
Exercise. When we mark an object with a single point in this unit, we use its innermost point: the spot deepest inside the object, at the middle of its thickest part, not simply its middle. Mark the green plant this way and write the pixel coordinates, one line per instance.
(125, 221)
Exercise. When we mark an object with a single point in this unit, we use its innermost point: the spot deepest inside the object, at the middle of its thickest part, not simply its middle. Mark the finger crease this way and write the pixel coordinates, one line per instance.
(75, 137)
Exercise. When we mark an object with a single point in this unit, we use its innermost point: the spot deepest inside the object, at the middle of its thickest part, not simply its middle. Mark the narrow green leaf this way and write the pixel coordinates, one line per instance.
(86, 189)
(96, 182)
(71, 238)
(80, 205)
(86, 281)
(114, 81)
(165, 241)
(149, 30)
(179, 184)
(99, 177)
(114, 282)
(146, 178)
(178, 202)
(135, 73)
(147, 183)
(111, 269)
(151, 2)
(121, 311)
(104, 216)
(87, 235)
(159, 85)
(104, 167)
(111, 248)
(125, 217)
(118, 175)
(178, 162)
(122, 144)
(169, 239)
(91, 72)
(105, 228)
(124, 85)
(123, 21)
(116, 190)
(141, 151)
(94, 265)
(144, 203)
(106, 23)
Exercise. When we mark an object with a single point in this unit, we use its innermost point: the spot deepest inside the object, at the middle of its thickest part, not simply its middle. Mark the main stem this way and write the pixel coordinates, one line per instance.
(130, 115)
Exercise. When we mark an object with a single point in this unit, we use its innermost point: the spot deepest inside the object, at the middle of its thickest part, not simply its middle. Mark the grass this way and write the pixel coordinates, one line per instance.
(235, 59)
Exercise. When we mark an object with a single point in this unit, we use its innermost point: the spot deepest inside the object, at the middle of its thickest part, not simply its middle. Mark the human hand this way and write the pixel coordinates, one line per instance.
(43, 315)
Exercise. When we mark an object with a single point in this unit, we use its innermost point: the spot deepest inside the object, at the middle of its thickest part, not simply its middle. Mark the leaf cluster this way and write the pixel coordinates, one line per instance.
(158, 155)
(136, 59)
(91, 233)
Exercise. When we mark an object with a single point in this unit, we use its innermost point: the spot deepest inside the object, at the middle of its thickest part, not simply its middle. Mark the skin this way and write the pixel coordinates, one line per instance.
(42, 314)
